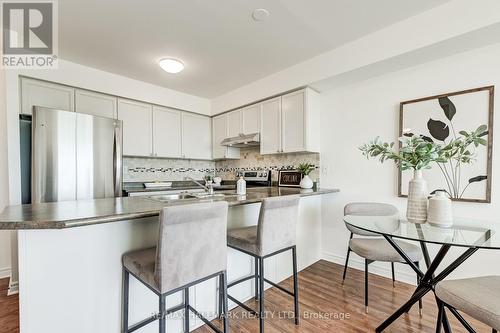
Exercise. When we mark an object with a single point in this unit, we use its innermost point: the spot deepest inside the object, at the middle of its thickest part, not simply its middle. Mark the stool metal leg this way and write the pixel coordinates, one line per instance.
(126, 281)
(162, 324)
(295, 285)
(221, 296)
(256, 272)
(261, 295)
(225, 301)
(186, 310)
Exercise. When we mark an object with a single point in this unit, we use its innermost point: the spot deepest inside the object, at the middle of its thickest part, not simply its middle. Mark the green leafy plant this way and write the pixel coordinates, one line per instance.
(305, 168)
(415, 153)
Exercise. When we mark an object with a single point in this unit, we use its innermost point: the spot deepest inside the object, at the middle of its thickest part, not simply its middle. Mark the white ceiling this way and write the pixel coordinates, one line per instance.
(220, 44)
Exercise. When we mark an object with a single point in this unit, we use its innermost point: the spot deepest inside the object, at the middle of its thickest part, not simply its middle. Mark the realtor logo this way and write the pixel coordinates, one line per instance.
(29, 36)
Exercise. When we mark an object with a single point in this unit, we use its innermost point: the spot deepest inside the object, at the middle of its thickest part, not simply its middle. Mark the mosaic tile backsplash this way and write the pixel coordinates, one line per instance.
(137, 169)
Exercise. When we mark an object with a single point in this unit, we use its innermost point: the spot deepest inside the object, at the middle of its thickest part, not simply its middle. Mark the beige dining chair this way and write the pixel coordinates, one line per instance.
(477, 297)
(372, 247)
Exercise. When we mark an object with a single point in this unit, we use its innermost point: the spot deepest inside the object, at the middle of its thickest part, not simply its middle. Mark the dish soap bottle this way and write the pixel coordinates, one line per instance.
(241, 186)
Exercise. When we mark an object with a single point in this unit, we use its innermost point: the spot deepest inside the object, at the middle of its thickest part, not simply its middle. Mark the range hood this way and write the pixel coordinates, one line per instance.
(242, 141)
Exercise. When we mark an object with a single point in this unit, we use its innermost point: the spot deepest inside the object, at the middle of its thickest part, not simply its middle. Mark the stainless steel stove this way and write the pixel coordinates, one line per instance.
(258, 178)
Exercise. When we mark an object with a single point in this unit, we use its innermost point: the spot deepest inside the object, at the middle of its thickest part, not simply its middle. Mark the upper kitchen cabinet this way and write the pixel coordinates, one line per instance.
(270, 134)
(137, 127)
(196, 136)
(95, 104)
(219, 133)
(292, 124)
(167, 138)
(251, 119)
(41, 93)
(234, 123)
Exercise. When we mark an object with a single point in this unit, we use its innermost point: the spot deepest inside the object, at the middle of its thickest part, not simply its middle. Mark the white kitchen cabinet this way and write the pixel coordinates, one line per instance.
(137, 127)
(95, 104)
(196, 136)
(292, 124)
(251, 119)
(219, 133)
(167, 138)
(270, 133)
(41, 93)
(234, 123)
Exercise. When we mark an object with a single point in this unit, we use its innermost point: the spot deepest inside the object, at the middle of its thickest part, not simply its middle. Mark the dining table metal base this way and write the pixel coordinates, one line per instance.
(428, 280)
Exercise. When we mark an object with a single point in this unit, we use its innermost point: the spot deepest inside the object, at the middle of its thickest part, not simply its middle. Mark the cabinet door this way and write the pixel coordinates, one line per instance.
(50, 95)
(293, 122)
(95, 104)
(219, 133)
(196, 136)
(251, 119)
(167, 140)
(234, 123)
(270, 134)
(137, 131)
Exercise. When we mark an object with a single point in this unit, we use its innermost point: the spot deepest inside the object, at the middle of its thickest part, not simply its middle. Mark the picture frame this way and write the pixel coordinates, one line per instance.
(289, 178)
(450, 114)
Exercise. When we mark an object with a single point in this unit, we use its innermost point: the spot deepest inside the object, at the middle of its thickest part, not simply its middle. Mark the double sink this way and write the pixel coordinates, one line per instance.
(189, 196)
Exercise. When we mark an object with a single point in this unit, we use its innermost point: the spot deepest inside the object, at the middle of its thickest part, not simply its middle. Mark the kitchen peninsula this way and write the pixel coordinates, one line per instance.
(70, 252)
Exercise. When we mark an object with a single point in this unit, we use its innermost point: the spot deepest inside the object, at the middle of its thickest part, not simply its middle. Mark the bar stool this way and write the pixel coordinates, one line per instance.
(191, 249)
(479, 297)
(374, 248)
(274, 234)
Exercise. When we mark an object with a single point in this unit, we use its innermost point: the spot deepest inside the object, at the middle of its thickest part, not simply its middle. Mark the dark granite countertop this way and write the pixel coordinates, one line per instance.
(68, 214)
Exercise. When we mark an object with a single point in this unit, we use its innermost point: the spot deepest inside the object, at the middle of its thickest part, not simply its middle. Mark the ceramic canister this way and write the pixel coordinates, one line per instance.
(440, 212)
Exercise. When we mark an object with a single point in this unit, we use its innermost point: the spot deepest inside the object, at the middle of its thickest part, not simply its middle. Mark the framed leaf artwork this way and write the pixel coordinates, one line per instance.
(449, 119)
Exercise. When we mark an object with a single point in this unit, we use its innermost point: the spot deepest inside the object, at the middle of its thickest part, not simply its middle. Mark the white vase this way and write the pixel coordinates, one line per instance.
(440, 212)
(416, 210)
(306, 182)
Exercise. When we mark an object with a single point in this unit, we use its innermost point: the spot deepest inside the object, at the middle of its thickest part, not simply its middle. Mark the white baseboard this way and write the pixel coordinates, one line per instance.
(377, 268)
(5, 272)
(13, 288)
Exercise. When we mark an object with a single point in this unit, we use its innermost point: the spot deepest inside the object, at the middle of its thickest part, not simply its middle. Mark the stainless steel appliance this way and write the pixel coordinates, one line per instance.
(74, 156)
(242, 141)
(257, 178)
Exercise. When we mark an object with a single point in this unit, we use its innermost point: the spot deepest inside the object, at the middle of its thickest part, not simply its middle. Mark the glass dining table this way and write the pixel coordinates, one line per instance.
(469, 234)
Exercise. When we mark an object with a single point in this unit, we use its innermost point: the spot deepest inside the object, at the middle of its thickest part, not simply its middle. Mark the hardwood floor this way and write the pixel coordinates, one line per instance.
(321, 294)
(9, 309)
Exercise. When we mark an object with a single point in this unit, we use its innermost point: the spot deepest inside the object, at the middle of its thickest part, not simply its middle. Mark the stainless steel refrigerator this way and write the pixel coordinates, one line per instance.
(74, 156)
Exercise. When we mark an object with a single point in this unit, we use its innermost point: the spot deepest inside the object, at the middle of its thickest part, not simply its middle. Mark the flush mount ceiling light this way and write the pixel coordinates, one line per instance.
(260, 14)
(170, 65)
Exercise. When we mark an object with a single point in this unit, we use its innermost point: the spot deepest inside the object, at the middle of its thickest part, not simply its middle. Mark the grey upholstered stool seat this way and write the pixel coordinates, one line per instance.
(378, 249)
(244, 238)
(478, 297)
(142, 265)
(191, 249)
(372, 247)
(275, 233)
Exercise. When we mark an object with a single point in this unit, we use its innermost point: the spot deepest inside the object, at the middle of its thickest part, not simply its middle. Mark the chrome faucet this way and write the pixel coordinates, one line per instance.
(209, 188)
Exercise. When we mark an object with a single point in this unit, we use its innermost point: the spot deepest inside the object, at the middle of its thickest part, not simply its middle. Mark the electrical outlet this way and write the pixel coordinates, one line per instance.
(324, 170)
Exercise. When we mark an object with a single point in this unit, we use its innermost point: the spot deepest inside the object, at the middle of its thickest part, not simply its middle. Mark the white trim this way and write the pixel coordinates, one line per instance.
(377, 268)
(5, 272)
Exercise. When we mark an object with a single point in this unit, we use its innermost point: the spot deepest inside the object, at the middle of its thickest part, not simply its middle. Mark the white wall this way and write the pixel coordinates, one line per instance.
(355, 114)
(4, 182)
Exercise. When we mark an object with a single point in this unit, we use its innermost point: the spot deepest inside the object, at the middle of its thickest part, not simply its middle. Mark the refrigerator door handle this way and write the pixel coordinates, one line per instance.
(117, 158)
